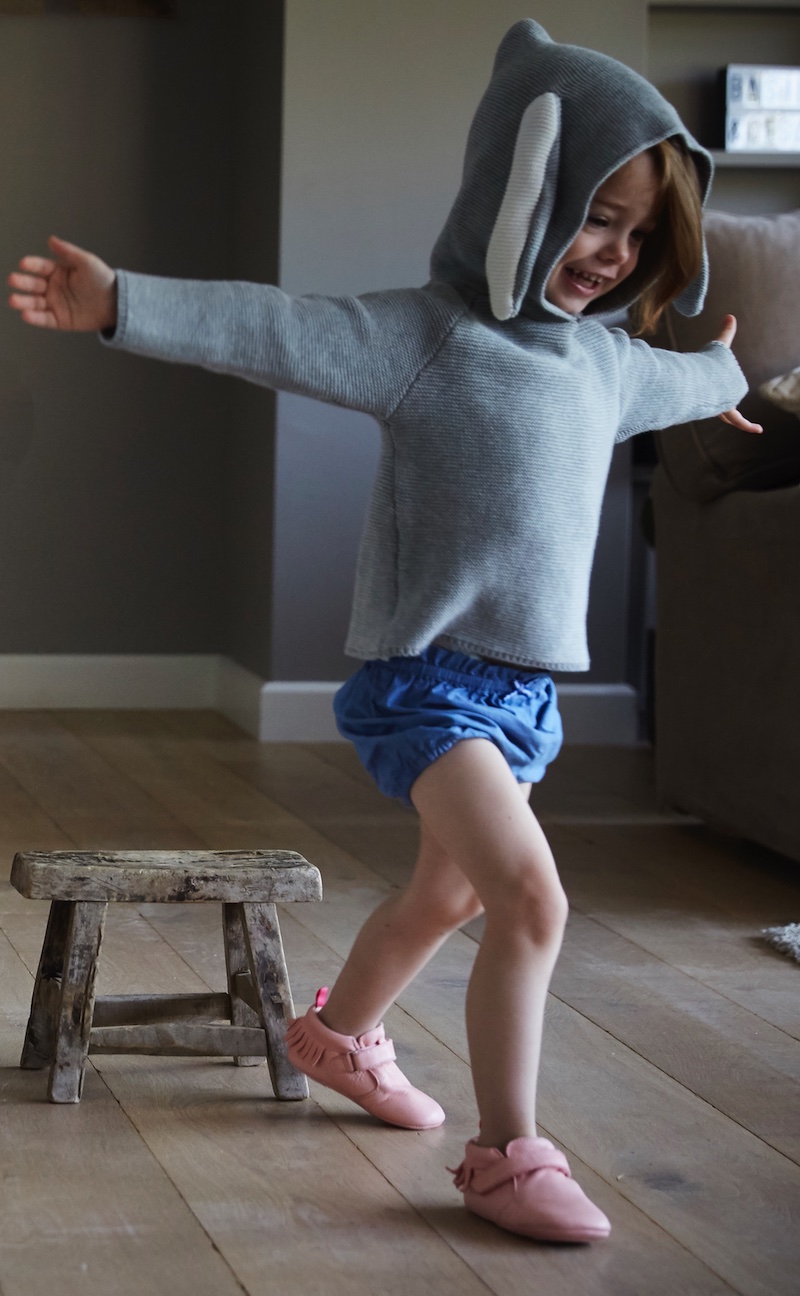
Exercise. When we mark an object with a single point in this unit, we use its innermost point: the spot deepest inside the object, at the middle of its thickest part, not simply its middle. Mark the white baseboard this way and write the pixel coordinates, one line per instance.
(239, 695)
(276, 710)
(595, 714)
(115, 681)
(273, 711)
(298, 712)
(599, 714)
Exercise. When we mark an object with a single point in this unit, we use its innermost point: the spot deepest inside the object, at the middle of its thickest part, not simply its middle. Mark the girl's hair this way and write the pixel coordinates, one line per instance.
(672, 255)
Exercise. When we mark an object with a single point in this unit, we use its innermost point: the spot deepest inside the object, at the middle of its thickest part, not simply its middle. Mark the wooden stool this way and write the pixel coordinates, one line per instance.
(248, 1023)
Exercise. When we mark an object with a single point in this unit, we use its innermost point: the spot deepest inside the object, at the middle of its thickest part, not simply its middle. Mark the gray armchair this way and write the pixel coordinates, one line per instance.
(727, 531)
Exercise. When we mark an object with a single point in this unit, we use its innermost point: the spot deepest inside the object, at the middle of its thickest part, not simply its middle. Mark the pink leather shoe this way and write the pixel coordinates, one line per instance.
(528, 1189)
(362, 1069)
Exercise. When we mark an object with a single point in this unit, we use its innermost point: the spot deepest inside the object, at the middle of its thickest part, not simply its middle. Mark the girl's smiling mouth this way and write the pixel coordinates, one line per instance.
(585, 282)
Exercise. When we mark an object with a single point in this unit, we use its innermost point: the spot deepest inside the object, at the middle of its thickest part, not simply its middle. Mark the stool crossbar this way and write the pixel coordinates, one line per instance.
(67, 1022)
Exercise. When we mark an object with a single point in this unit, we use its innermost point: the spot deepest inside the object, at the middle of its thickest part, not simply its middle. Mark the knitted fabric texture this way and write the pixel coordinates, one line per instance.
(498, 411)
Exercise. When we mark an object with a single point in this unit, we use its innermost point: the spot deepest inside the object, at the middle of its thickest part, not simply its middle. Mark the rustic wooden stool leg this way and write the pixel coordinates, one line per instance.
(271, 982)
(40, 1037)
(81, 952)
(237, 963)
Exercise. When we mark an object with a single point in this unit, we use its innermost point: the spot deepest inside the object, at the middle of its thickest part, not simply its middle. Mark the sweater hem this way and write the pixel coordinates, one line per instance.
(368, 651)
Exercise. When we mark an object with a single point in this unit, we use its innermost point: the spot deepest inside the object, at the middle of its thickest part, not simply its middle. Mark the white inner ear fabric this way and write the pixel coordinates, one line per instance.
(537, 134)
(784, 391)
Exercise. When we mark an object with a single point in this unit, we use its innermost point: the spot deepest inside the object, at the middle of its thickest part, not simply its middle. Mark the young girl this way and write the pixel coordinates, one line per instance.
(500, 399)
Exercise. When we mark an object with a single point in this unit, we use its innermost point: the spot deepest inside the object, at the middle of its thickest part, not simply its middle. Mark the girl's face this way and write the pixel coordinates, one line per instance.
(623, 211)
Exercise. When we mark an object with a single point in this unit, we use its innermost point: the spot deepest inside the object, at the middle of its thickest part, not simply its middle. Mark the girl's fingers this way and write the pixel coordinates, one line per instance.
(66, 252)
(728, 330)
(37, 265)
(737, 420)
(24, 301)
(28, 283)
(40, 318)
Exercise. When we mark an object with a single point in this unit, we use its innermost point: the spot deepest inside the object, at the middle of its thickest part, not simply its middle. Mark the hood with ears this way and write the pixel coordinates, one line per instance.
(555, 122)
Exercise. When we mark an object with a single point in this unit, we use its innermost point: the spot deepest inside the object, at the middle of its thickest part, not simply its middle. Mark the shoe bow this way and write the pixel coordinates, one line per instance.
(522, 1157)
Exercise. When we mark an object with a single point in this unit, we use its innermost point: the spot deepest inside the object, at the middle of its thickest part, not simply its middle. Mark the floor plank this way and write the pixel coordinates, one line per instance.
(288, 1199)
(695, 901)
(86, 1206)
(416, 1165)
(712, 1046)
(77, 790)
(670, 1068)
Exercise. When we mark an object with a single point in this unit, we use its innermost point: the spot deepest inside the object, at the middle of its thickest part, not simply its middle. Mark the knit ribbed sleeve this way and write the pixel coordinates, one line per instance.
(359, 352)
(661, 389)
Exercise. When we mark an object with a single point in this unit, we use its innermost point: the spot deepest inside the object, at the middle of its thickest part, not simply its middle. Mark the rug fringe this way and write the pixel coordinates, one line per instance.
(786, 939)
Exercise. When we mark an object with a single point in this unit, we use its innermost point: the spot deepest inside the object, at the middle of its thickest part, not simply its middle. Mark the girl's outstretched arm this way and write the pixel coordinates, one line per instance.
(733, 416)
(76, 291)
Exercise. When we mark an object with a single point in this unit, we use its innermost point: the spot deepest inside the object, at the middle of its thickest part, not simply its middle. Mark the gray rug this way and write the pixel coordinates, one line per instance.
(785, 939)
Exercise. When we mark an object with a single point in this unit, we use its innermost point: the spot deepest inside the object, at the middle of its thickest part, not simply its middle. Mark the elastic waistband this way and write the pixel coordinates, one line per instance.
(457, 668)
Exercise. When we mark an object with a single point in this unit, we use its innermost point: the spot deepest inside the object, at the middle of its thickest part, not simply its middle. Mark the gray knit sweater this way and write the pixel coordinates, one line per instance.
(498, 412)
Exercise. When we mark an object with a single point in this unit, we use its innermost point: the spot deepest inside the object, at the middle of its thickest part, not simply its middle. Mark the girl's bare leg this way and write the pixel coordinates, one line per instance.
(469, 802)
(399, 938)
(472, 812)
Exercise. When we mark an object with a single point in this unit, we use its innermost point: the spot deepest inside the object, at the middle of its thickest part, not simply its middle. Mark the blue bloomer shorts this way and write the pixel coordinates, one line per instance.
(402, 714)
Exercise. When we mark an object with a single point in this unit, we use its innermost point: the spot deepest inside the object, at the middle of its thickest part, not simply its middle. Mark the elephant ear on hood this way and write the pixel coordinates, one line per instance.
(555, 122)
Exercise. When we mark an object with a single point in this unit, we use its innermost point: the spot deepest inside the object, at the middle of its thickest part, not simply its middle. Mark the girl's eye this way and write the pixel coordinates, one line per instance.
(599, 221)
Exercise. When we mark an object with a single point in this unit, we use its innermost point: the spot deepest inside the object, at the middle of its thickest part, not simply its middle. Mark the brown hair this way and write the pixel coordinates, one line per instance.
(672, 255)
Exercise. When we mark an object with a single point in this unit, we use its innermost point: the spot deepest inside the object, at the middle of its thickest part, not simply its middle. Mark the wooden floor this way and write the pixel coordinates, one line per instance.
(671, 1060)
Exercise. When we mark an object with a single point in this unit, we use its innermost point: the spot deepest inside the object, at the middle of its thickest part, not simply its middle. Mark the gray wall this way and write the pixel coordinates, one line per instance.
(136, 497)
(112, 535)
(256, 81)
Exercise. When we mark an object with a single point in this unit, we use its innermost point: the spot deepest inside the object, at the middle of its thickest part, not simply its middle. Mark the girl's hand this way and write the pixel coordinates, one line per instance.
(733, 416)
(77, 291)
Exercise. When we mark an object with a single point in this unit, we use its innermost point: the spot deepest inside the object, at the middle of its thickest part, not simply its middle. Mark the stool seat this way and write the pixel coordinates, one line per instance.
(176, 877)
(248, 1023)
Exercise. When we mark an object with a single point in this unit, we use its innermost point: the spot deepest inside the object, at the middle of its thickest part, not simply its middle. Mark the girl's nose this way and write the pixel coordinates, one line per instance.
(616, 251)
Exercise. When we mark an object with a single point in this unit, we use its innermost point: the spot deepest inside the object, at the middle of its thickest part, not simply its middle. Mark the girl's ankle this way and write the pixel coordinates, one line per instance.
(500, 1139)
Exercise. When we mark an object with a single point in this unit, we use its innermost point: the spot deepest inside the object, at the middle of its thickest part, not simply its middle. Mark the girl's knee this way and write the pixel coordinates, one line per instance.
(536, 909)
(448, 912)
(465, 911)
(444, 909)
(442, 896)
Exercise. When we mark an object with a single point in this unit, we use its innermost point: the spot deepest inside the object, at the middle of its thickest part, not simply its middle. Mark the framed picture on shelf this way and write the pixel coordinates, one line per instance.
(762, 108)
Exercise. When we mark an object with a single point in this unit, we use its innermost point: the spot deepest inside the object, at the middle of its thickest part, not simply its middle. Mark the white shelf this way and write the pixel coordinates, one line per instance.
(742, 160)
(753, 5)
